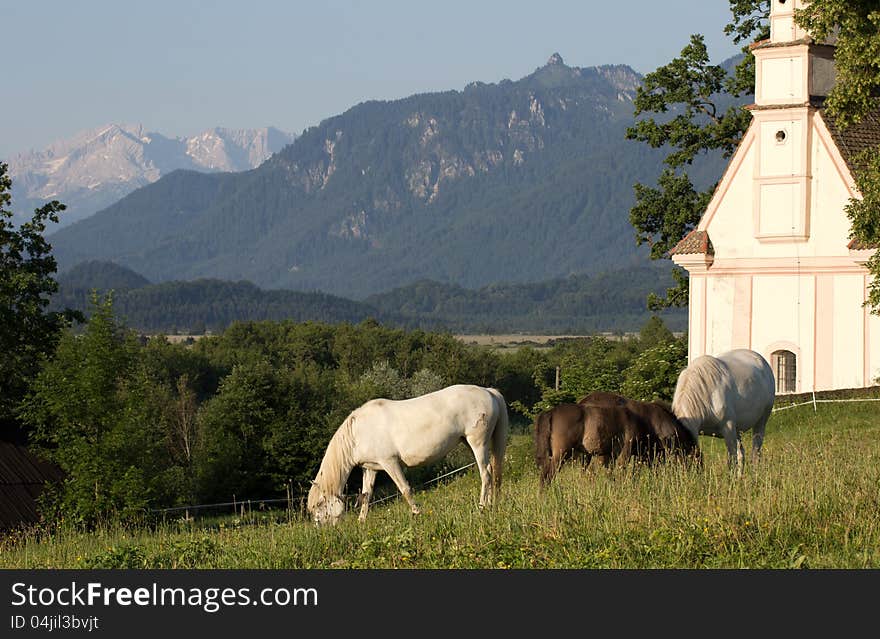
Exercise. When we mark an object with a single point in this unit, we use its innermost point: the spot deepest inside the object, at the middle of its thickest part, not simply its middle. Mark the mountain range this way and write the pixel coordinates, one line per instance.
(516, 181)
(95, 168)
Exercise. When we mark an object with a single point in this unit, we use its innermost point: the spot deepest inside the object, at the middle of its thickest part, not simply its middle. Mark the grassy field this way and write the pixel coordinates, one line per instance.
(814, 502)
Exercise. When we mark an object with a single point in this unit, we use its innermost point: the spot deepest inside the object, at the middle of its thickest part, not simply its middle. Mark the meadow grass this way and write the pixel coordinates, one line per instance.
(812, 502)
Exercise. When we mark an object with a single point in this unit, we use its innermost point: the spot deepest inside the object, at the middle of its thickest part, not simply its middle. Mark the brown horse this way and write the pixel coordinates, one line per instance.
(612, 428)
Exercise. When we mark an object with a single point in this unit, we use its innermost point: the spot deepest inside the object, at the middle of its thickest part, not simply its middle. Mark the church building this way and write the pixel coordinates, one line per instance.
(771, 264)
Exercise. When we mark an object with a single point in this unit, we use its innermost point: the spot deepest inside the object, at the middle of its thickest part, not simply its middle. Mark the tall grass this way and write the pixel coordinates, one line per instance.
(812, 502)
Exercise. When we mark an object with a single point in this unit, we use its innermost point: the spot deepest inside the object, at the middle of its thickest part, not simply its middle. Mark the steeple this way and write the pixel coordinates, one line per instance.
(791, 67)
(793, 75)
(783, 28)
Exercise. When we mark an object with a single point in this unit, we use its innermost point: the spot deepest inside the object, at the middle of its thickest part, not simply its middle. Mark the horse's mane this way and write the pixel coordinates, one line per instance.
(337, 462)
(696, 384)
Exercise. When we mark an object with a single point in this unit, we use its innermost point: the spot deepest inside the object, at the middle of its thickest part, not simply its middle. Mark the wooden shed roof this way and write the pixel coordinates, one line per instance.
(23, 476)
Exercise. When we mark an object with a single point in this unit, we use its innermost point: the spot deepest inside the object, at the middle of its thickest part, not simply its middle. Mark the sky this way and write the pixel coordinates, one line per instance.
(179, 67)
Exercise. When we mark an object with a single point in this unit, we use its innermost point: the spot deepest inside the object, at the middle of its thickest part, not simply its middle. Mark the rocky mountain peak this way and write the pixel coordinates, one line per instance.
(555, 59)
(97, 167)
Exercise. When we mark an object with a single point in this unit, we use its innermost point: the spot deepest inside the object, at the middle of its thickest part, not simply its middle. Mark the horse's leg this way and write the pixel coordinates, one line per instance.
(586, 458)
(392, 467)
(758, 437)
(735, 451)
(626, 451)
(366, 492)
(548, 472)
(482, 453)
(551, 468)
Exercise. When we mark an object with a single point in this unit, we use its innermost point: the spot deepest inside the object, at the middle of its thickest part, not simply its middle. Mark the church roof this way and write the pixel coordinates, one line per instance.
(855, 138)
(694, 242)
(851, 142)
(859, 245)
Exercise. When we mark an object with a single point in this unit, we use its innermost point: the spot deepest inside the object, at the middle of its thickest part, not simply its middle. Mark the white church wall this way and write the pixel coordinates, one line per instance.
(785, 320)
(873, 347)
(719, 314)
(849, 331)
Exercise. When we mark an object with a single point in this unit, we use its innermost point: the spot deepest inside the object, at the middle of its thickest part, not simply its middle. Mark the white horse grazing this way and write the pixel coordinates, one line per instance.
(724, 396)
(385, 434)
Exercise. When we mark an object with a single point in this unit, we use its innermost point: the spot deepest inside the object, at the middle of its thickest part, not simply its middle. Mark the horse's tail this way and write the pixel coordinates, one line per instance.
(499, 440)
(543, 430)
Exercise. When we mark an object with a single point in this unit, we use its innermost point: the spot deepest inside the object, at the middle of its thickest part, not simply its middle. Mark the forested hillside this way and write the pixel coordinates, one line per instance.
(578, 304)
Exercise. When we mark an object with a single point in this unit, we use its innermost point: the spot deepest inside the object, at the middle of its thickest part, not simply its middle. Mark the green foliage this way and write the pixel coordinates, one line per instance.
(690, 83)
(128, 557)
(855, 25)
(700, 113)
(267, 427)
(119, 418)
(93, 413)
(644, 367)
(654, 333)
(382, 380)
(28, 331)
(653, 373)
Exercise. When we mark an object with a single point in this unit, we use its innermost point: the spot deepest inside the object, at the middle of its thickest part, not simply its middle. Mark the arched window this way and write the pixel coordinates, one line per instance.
(785, 369)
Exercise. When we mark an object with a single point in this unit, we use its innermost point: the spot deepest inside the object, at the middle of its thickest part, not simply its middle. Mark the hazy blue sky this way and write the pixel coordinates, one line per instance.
(182, 66)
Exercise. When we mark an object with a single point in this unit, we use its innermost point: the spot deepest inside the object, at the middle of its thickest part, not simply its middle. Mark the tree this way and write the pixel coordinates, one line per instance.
(92, 413)
(654, 372)
(28, 331)
(696, 100)
(654, 332)
(856, 26)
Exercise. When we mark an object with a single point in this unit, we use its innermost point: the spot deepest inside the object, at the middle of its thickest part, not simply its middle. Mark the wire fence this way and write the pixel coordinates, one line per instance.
(246, 505)
(813, 402)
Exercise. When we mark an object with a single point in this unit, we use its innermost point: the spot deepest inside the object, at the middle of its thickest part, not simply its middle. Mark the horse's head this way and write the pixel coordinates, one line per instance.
(687, 445)
(324, 508)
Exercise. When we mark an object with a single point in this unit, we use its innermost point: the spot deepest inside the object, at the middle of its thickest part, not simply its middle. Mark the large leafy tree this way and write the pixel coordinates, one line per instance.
(697, 111)
(856, 26)
(28, 331)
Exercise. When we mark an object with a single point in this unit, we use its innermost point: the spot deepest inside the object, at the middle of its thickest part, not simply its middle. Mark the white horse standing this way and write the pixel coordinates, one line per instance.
(724, 396)
(385, 434)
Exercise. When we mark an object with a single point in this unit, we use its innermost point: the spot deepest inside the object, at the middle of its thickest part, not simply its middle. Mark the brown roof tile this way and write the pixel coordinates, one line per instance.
(859, 245)
(856, 137)
(694, 242)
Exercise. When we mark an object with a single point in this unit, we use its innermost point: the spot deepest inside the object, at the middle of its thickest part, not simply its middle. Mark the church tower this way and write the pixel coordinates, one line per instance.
(793, 75)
